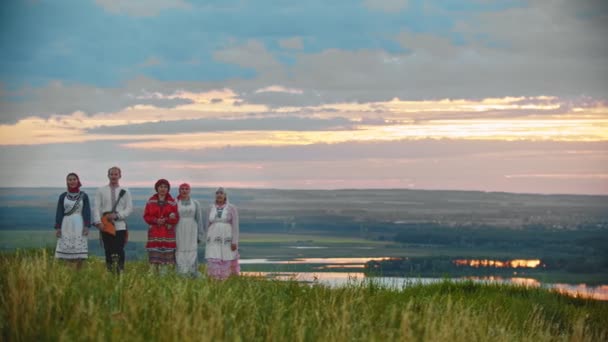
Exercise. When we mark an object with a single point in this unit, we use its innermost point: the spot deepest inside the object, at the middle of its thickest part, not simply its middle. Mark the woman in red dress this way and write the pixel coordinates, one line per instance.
(162, 216)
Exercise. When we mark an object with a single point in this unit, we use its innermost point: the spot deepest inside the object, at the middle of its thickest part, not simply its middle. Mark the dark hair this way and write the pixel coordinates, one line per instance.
(160, 182)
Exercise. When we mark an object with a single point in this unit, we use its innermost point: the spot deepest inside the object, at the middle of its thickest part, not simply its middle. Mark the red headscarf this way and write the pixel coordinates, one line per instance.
(183, 185)
(162, 181)
(77, 188)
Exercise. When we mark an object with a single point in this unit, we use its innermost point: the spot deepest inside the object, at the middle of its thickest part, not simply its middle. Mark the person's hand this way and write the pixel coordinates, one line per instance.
(233, 246)
(85, 231)
(58, 233)
(114, 217)
(172, 215)
(160, 221)
(99, 225)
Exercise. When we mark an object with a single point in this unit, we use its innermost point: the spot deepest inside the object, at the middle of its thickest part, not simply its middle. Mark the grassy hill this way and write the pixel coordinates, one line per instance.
(42, 299)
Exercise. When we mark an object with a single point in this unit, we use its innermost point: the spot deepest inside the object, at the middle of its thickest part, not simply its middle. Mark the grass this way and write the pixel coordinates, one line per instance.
(43, 299)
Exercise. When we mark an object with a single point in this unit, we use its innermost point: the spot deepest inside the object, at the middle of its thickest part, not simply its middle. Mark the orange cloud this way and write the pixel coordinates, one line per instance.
(406, 120)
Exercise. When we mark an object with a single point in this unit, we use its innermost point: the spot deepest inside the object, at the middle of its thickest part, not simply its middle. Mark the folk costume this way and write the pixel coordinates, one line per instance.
(107, 198)
(188, 233)
(222, 231)
(161, 237)
(72, 216)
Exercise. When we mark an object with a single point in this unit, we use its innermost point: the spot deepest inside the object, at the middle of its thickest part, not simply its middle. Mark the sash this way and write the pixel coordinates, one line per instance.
(75, 206)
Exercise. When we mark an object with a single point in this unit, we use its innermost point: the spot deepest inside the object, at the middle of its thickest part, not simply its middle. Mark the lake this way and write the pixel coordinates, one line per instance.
(349, 277)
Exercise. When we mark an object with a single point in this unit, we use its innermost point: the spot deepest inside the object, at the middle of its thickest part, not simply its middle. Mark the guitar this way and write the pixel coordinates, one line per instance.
(106, 221)
(108, 224)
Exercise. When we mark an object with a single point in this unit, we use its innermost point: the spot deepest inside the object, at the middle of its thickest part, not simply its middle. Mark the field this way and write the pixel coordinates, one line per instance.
(42, 299)
(285, 246)
(568, 233)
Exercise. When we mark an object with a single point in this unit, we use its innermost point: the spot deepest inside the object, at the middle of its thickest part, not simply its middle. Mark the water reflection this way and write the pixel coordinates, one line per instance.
(326, 278)
(307, 247)
(337, 279)
(338, 261)
(343, 266)
(497, 263)
(346, 277)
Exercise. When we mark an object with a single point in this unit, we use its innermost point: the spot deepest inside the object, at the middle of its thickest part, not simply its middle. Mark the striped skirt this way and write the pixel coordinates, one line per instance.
(161, 245)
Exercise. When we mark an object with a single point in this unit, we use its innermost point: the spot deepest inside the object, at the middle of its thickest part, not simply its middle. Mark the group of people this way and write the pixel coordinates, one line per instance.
(176, 226)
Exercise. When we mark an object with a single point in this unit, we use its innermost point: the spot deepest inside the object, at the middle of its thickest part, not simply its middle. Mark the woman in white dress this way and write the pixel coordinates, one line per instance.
(188, 232)
(72, 222)
(221, 248)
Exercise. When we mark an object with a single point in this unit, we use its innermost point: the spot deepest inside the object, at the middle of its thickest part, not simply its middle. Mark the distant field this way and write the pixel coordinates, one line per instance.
(291, 246)
(26, 238)
(266, 245)
(347, 211)
(280, 245)
(250, 238)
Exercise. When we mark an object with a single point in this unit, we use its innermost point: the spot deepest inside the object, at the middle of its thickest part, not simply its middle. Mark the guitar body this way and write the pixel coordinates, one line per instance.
(108, 225)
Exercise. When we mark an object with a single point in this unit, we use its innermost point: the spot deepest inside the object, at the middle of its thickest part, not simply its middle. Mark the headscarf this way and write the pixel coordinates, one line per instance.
(183, 185)
(160, 182)
(77, 188)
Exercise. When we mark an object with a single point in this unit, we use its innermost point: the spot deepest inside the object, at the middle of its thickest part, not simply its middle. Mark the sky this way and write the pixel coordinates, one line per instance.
(477, 95)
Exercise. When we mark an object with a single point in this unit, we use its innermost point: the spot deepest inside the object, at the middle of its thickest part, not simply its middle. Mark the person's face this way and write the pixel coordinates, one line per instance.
(185, 192)
(72, 181)
(163, 189)
(220, 197)
(114, 175)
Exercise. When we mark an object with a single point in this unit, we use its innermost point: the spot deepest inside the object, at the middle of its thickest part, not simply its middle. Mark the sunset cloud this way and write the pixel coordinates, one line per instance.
(309, 94)
(216, 118)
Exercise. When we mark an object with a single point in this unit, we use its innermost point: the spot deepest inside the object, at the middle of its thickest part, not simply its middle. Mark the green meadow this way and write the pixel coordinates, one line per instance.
(44, 299)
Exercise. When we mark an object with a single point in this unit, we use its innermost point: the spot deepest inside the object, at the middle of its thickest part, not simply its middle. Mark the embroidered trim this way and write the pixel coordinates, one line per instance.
(74, 207)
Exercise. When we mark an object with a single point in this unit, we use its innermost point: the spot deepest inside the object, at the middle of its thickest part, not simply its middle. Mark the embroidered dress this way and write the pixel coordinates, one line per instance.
(187, 232)
(161, 238)
(223, 231)
(72, 244)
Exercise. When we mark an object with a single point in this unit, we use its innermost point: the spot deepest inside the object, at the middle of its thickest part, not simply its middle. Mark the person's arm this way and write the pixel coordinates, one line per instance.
(174, 216)
(198, 217)
(86, 210)
(206, 221)
(59, 212)
(128, 206)
(235, 225)
(149, 217)
(97, 207)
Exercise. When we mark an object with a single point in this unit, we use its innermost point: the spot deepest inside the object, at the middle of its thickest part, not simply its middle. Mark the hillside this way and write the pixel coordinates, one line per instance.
(43, 299)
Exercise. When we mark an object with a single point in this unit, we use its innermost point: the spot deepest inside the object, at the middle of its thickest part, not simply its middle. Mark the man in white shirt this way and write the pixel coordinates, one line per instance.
(108, 199)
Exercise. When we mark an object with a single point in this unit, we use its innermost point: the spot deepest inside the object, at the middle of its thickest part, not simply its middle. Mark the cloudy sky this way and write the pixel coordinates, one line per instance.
(463, 94)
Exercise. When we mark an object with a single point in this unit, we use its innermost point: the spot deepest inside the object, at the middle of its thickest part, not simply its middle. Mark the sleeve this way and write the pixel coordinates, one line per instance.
(235, 225)
(86, 210)
(97, 207)
(149, 217)
(128, 207)
(206, 221)
(174, 220)
(59, 212)
(198, 217)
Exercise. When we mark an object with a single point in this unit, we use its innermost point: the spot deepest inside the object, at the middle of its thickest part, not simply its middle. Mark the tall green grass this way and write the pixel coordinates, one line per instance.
(43, 299)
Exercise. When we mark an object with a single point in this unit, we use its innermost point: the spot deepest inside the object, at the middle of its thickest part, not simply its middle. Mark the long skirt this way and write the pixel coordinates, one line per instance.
(161, 245)
(222, 261)
(186, 233)
(222, 269)
(72, 244)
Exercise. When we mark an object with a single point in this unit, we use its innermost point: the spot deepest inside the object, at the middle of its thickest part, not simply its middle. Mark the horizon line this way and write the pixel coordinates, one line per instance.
(340, 189)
